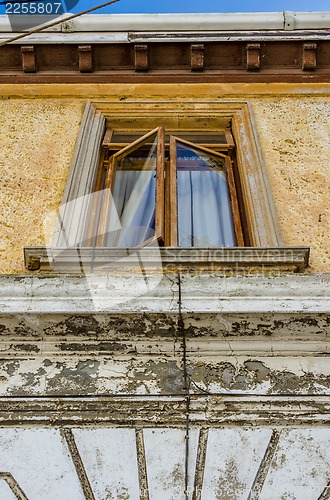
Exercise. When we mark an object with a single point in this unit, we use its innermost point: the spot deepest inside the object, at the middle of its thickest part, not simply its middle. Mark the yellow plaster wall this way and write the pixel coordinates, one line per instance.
(294, 135)
(37, 139)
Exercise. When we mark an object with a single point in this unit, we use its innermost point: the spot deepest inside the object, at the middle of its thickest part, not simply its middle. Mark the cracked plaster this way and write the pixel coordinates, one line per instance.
(37, 139)
(294, 135)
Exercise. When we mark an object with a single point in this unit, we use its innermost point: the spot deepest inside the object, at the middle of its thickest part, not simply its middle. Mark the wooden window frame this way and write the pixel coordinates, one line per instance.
(160, 195)
(262, 224)
(166, 203)
(173, 189)
(264, 238)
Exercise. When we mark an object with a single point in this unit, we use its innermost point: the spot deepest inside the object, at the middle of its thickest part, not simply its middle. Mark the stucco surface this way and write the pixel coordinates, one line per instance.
(222, 464)
(37, 140)
(294, 135)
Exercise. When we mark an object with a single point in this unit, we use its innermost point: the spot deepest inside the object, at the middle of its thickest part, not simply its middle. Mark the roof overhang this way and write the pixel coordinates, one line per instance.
(185, 22)
(216, 47)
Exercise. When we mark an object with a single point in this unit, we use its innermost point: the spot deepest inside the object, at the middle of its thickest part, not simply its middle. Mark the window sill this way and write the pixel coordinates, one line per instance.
(85, 260)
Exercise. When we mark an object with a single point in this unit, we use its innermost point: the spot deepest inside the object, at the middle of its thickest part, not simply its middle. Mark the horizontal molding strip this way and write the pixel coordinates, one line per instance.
(28, 347)
(174, 91)
(233, 410)
(170, 36)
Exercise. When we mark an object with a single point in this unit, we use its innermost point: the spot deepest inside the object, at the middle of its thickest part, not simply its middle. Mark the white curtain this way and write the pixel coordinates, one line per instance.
(134, 200)
(204, 209)
(133, 203)
(204, 212)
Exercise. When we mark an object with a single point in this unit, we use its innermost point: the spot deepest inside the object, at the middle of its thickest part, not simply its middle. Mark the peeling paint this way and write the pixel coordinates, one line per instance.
(255, 375)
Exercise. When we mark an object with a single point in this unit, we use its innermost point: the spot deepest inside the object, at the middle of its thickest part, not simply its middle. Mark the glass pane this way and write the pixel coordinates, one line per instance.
(204, 210)
(132, 208)
(207, 137)
(200, 137)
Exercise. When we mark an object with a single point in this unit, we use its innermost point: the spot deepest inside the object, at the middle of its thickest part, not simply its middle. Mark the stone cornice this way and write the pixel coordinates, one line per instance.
(201, 293)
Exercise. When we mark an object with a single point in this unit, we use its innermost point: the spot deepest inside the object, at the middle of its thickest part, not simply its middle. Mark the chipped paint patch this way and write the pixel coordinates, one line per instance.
(303, 375)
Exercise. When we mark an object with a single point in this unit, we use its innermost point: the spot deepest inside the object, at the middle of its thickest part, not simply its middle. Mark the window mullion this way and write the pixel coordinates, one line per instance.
(229, 138)
(160, 195)
(172, 210)
(94, 211)
(234, 203)
(106, 203)
(107, 138)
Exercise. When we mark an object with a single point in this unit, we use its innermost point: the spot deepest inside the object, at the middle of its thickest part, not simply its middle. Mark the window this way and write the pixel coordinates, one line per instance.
(157, 145)
(176, 187)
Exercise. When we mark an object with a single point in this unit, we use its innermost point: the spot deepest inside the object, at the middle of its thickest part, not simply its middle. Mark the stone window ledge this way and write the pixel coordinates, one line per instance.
(105, 260)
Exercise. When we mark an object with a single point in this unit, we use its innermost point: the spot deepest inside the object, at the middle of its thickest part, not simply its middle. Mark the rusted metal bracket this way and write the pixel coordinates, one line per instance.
(141, 59)
(309, 56)
(253, 56)
(85, 58)
(29, 59)
(197, 57)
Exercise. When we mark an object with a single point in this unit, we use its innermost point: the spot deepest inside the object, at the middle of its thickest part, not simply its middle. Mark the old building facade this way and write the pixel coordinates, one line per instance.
(169, 369)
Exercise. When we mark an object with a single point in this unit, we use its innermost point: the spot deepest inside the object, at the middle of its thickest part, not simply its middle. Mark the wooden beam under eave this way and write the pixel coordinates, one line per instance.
(85, 58)
(253, 56)
(309, 56)
(29, 59)
(141, 57)
(197, 57)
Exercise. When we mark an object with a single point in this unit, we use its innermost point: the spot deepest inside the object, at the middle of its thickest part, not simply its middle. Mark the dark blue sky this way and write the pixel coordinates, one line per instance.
(161, 6)
(136, 6)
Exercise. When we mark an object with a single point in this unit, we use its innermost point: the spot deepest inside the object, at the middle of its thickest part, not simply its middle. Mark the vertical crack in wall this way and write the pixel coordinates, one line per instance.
(264, 466)
(68, 437)
(142, 465)
(186, 387)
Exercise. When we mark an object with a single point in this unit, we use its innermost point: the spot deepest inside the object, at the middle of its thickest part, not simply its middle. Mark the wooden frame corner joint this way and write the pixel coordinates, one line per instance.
(29, 59)
(309, 56)
(253, 56)
(197, 57)
(141, 57)
(85, 53)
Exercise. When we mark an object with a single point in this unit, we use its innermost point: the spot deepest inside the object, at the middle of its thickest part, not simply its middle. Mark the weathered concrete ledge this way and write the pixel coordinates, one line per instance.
(149, 292)
(138, 334)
